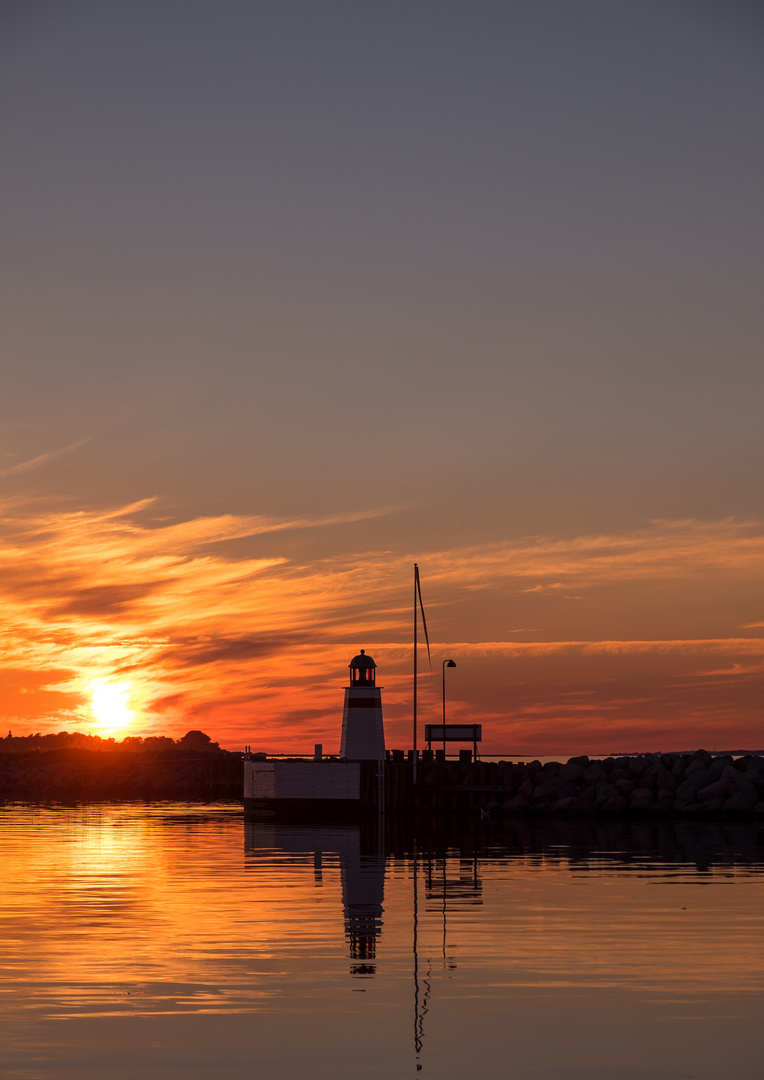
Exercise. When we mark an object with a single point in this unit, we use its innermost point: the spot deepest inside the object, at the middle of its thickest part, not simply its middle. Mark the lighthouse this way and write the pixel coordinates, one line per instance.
(363, 734)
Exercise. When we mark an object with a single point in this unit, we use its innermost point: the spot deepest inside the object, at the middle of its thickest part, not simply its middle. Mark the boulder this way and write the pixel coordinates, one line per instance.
(604, 792)
(624, 787)
(691, 785)
(573, 771)
(615, 803)
(754, 768)
(718, 790)
(642, 799)
(716, 769)
(743, 799)
(665, 780)
(549, 791)
(743, 784)
(697, 765)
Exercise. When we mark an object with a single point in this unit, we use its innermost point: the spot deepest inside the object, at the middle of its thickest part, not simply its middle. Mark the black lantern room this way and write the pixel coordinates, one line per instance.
(362, 670)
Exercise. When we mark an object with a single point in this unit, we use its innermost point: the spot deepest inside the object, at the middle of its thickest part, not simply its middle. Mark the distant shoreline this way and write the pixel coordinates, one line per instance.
(76, 774)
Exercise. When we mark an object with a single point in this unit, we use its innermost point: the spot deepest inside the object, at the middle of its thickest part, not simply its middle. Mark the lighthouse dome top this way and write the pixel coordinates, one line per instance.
(362, 661)
(362, 670)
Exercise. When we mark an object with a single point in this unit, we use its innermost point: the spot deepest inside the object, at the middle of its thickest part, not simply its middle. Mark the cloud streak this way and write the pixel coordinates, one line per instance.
(256, 646)
(42, 459)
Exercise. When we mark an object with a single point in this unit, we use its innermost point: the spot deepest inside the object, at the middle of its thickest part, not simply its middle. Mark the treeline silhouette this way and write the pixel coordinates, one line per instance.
(76, 766)
(80, 740)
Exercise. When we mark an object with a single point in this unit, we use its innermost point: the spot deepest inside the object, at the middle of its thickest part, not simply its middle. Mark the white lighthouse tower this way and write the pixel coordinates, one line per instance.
(363, 733)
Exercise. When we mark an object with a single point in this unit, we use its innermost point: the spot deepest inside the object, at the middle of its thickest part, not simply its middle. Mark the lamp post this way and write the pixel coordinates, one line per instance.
(446, 663)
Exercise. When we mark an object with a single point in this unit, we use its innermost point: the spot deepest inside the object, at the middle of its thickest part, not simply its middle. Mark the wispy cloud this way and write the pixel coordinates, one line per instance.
(255, 642)
(42, 459)
(666, 550)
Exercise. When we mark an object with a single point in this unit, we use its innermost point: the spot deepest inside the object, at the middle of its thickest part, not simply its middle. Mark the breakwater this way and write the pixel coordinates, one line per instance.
(696, 785)
(79, 775)
(687, 785)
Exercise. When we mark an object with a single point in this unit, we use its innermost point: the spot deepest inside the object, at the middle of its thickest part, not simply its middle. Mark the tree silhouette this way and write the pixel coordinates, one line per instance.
(197, 740)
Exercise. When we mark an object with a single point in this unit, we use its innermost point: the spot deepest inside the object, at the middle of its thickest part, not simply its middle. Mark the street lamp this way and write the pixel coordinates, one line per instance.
(446, 663)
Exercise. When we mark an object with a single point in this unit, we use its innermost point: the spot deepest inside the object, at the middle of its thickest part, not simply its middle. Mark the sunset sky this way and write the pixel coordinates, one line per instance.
(296, 293)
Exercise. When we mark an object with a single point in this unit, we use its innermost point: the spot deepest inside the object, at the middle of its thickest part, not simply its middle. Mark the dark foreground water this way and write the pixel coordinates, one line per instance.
(164, 941)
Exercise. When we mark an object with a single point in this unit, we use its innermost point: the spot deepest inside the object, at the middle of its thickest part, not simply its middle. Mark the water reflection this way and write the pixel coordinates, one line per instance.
(446, 868)
(362, 872)
(627, 844)
(154, 940)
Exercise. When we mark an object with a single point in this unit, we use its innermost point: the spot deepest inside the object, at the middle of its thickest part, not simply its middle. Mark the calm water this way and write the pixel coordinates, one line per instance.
(169, 941)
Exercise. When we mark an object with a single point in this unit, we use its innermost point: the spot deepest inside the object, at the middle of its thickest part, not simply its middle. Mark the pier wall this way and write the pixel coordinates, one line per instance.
(694, 785)
(81, 775)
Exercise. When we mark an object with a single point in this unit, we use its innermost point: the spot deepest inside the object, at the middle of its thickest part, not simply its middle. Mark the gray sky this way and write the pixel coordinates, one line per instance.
(492, 269)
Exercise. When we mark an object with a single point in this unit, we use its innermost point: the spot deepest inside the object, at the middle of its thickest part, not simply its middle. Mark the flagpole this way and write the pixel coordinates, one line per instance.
(416, 581)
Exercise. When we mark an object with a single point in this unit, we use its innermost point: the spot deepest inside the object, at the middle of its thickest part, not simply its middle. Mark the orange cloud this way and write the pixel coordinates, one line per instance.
(666, 550)
(255, 647)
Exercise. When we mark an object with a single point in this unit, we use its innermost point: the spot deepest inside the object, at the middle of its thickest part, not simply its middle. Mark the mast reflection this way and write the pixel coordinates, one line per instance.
(437, 878)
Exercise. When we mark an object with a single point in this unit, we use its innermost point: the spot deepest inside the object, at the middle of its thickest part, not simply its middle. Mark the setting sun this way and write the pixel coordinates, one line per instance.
(110, 705)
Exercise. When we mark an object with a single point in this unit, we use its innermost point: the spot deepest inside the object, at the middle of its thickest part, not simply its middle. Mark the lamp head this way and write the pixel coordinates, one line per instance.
(450, 664)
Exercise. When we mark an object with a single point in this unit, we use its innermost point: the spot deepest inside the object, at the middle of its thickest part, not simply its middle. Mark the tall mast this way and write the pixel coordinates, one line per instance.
(416, 582)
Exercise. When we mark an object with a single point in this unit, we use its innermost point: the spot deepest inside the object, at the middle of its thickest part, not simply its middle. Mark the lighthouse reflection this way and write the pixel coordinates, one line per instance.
(363, 893)
(361, 856)
(442, 879)
(445, 880)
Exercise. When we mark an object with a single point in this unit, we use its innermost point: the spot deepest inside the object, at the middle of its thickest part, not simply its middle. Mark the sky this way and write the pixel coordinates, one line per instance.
(297, 294)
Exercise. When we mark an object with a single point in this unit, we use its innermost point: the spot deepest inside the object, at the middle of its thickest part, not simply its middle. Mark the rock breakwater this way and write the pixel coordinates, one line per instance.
(698, 784)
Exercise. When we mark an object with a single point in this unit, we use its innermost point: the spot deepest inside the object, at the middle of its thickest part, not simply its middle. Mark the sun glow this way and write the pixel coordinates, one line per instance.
(110, 705)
